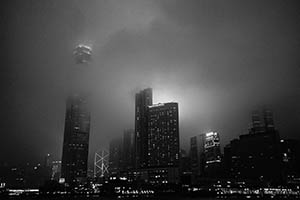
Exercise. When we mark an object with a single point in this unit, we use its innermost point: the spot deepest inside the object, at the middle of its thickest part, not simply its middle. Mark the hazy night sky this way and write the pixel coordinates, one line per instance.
(218, 59)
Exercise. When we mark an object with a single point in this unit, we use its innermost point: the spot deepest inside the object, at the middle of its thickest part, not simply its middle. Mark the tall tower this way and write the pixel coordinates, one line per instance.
(77, 129)
(76, 140)
(143, 99)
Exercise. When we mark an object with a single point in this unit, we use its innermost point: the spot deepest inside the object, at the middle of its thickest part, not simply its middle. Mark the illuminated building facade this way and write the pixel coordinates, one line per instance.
(143, 99)
(76, 140)
(212, 154)
(163, 143)
(205, 155)
(212, 148)
(82, 54)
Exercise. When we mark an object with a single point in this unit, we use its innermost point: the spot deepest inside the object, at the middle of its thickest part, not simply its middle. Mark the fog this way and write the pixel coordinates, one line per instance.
(218, 59)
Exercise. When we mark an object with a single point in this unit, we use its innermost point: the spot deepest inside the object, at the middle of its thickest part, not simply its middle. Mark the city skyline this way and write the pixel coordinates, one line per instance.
(148, 160)
(127, 99)
(256, 123)
(218, 61)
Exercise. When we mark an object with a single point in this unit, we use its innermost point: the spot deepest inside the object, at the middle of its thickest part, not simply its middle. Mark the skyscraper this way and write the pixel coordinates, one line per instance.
(77, 128)
(76, 140)
(163, 143)
(143, 99)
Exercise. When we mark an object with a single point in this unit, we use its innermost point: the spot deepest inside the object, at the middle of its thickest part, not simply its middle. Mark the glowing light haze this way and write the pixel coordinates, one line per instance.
(218, 59)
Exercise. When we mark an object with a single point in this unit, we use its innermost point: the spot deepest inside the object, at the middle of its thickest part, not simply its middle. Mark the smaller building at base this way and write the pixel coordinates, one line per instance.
(205, 155)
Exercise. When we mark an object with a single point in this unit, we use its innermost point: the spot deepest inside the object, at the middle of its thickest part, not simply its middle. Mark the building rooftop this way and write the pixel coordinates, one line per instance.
(161, 104)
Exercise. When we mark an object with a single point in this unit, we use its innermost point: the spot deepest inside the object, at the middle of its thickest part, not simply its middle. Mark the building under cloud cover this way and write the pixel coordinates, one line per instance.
(217, 59)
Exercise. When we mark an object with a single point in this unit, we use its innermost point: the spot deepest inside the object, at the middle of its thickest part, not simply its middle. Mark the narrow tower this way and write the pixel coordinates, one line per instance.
(143, 99)
(77, 129)
(76, 141)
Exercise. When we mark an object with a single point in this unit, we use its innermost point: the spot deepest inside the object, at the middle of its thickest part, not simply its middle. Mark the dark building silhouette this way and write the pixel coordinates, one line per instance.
(24, 176)
(257, 125)
(115, 156)
(255, 156)
(14, 176)
(143, 99)
(122, 156)
(128, 152)
(197, 156)
(163, 143)
(185, 168)
(290, 154)
(76, 140)
(268, 120)
(205, 156)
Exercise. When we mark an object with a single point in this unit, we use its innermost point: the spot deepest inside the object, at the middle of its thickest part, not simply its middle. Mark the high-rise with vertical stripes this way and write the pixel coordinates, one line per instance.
(77, 124)
(143, 99)
(76, 140)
